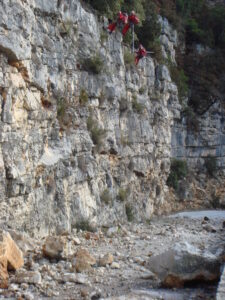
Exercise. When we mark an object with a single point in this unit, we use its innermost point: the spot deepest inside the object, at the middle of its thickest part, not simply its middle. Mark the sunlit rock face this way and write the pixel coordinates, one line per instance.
(75, 143)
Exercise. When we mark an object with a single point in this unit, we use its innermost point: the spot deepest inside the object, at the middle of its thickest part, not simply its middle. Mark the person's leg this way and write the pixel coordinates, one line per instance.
(112, 27)
(125, 29)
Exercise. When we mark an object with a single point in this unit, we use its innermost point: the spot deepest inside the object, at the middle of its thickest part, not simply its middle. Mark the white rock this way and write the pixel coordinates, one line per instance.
(115, 265)
(72, 277)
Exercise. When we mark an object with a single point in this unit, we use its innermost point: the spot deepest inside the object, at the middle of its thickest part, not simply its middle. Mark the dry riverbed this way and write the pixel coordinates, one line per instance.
(114, 262)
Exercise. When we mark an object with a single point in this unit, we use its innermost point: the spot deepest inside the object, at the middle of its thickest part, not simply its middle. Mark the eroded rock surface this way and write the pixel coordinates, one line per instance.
(53, 173)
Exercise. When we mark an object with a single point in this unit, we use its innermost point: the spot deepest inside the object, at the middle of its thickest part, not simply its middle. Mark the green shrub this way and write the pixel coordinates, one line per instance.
(106, 197)
(181, 80)
(123, 139)
(129, 212)
(83, 99)
(172, 180)
(138, 107)
(103, 37)
(142, 90)
(97, 133)
(192, 119)
(178, 170)
(128, 58)
(84, 225)
(61, 107)
(63, 113)
(94, 64)
(102, 97)
(215, 200)
(123, 193)
(105, 7)
(67, 28)
(211, 165)
(150, 30)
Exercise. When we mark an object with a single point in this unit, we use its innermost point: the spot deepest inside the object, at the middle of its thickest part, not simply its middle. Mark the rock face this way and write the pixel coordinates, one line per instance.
(185, 263)
(207, 140)
(53, 167)
(73, 141)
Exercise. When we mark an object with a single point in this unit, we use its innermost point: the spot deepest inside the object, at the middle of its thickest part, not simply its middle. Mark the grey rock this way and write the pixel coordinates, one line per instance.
(24, 276)
(184, 263)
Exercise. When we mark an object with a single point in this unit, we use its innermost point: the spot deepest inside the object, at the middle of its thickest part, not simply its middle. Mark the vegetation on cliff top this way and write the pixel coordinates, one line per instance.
(200, 71)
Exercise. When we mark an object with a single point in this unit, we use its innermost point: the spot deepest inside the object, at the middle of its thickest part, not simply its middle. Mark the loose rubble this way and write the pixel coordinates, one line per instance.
(119, 264)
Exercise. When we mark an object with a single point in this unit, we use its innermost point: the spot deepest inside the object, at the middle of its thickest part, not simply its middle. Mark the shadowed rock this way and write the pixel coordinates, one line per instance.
(185, 263)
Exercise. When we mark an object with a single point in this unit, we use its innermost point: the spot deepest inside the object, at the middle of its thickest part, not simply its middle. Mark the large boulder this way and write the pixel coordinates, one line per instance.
(11, 257)
(185, 263)
(10, 252)
(3, 274)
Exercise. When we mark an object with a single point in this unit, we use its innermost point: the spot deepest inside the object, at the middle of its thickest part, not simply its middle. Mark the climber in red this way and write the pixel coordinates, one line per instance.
(132, 20)
(122, 19)
(140, 54)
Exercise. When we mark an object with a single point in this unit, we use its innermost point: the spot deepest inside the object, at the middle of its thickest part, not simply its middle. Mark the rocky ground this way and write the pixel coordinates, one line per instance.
(116, 261)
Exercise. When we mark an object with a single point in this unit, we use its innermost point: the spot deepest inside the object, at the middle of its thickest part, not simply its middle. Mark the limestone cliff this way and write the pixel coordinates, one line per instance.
(75, 145)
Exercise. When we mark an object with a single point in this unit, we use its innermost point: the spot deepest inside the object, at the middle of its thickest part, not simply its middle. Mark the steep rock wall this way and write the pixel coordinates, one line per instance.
(196, 145)
(52, 174)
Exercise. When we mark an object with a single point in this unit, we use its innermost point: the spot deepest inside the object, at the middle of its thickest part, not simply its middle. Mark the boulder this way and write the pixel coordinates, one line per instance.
(10, 252)
(107, 259)
(54, 247)
(10, 258)
(83, 260)
(3, 274)
(185, 263)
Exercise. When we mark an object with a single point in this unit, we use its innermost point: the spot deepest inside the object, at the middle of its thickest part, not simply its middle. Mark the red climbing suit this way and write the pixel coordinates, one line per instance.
(122, 18)
(132, 20)
(140, 54)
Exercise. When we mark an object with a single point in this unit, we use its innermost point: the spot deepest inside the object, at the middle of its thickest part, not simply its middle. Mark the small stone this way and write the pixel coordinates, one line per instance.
(112, 231)
(28, 296)
(53, 247)
(209, 228)
(23, 276)
(77, 278)
(115, 265)
(82, 266)
(24, 286)
(150, 253)
(223, 224)
(148, 275)
(107, 259)
(76, 241)
(96, 295)
(87, 235)
(84, 293)
(13, 287)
